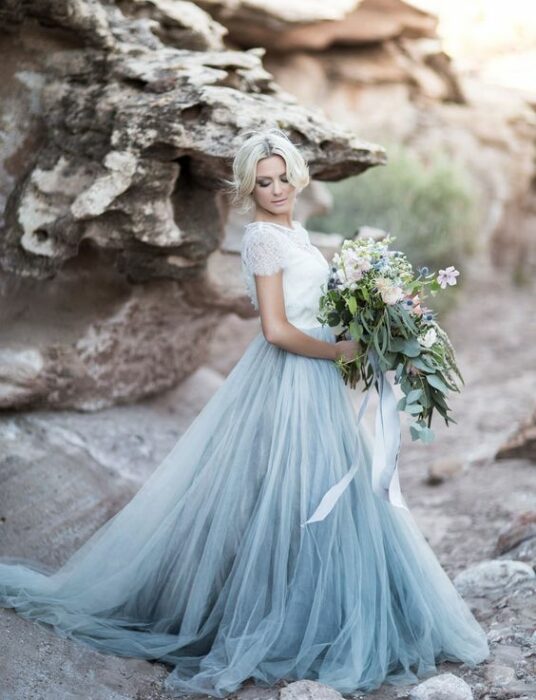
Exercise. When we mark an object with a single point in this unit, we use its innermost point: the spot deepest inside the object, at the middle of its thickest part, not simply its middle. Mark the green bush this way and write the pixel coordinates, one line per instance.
(430, 207)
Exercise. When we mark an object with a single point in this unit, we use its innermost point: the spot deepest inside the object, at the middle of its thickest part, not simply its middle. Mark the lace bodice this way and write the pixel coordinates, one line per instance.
(268, 248)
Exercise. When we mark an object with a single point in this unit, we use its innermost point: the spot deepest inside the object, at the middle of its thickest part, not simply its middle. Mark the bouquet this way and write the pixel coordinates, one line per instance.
(374, 296)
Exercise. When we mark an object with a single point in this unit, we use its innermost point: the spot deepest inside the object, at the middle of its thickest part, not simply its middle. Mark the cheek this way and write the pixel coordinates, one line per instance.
(261, 193)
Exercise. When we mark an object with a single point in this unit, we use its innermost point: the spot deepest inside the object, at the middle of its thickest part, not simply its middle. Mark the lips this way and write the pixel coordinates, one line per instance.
(279, 201)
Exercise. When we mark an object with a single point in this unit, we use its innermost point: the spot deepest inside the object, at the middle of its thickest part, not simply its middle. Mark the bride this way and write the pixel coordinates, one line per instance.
(210, 568)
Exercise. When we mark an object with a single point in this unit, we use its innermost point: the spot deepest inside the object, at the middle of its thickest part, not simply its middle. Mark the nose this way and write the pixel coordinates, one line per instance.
(277, 187)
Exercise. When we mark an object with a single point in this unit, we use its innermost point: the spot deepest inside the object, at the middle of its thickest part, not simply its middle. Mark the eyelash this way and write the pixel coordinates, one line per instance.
(266, 185)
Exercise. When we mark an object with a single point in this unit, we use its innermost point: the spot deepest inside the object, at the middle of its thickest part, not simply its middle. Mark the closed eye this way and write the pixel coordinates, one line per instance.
(265, 184)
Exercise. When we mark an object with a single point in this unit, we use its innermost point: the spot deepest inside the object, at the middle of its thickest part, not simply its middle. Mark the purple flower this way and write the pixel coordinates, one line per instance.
(447, 276)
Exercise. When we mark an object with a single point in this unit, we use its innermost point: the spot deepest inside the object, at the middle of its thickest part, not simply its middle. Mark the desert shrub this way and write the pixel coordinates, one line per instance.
(431, 207)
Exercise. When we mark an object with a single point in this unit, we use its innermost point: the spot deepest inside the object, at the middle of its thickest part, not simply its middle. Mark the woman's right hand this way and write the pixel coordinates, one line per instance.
(347, 349)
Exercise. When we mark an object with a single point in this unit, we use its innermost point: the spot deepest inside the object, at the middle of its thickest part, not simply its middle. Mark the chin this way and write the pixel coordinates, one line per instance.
(279, 209)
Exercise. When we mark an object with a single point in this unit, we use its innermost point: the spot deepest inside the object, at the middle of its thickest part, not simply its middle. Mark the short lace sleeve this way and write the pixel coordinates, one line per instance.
(263, 251)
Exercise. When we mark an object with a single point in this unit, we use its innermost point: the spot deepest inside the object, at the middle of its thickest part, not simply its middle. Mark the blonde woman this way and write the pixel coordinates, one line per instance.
(211, 567)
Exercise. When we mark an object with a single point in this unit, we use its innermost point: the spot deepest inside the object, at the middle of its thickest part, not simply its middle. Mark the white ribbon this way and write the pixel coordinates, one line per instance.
(385, 480)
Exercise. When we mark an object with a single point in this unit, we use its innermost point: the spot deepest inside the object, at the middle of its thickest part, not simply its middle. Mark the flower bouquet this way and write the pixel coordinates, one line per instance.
(374, 297)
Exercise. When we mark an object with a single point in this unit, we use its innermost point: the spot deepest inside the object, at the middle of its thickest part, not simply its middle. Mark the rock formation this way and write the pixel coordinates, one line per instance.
(120, 130)
(379, 66)
(522, 444)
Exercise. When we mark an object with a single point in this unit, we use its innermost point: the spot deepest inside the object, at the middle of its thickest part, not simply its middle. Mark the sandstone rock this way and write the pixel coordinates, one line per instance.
(444, 468)
(277, 15)
(308, 690)
(500, 675)
(522, 527)
(491, 576)
(113, 174)
(391, 76)
(88, 339)
(178, 23)
(525, 551)
(522, 445)
(446, 686)
(316, 26)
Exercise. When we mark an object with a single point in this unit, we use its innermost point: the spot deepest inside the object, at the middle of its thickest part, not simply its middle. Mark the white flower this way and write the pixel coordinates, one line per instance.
(354, 274)
(447, 276)
(383, 282)
(391, 295)
(389, 292)
(355, 265)
(429, 338)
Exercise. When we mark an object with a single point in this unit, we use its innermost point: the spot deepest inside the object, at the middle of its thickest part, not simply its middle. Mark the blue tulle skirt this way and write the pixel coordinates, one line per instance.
(207, 568)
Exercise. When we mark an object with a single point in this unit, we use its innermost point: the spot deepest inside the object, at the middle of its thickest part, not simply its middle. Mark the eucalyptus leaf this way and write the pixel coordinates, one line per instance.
(436, 382)
(413, 395)
(427, 435)
(415, 431)
(420, 363)
(390, 358)
(411, 347)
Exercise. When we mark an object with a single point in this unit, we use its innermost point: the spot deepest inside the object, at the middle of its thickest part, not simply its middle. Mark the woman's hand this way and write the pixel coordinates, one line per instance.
(348, 349)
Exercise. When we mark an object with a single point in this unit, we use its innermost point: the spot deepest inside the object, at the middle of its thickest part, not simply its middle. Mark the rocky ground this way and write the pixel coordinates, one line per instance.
(63, 474)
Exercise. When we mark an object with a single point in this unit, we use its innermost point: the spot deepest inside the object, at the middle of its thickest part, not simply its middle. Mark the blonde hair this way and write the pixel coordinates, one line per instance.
(261, 144)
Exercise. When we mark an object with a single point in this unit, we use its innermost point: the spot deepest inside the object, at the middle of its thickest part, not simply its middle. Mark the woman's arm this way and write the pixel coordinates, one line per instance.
(279, 331)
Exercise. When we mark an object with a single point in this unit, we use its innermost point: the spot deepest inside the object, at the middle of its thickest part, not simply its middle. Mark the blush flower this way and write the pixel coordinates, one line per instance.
(389, 292)
(447, 276)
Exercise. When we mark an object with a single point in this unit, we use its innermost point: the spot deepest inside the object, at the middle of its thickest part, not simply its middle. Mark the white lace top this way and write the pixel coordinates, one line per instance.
(267, 248)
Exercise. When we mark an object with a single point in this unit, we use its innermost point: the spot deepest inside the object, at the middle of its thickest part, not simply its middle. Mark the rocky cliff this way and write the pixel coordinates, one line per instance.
(379, 66)
(120, 124)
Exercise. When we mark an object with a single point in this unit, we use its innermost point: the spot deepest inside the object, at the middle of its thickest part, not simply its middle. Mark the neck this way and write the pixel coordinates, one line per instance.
(282, 219)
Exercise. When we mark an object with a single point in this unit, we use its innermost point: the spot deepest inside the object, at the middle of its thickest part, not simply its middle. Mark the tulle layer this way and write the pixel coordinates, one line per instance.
(208, 569)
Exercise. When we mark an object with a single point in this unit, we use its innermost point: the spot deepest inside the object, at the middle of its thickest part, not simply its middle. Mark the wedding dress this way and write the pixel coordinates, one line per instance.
(210, 568)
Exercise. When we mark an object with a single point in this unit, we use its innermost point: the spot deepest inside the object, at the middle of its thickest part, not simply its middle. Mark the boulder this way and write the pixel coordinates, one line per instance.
(446, 686)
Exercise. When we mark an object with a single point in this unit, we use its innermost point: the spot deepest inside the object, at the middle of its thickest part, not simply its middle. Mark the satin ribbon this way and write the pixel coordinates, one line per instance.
(385, 480)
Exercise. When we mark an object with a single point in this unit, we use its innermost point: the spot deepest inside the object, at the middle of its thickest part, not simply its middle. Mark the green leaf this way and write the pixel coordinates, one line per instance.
(436, 382)
(377, 346)
(413, 408)
(420, 363)
(427, 435)
(333, 318)
(426, 401)
(415, 431)
(413, 395)
(412, 347)
(405, 384)
(390, 358)
(439, 399)
(401, 405)
(356, 330)
(352, 305)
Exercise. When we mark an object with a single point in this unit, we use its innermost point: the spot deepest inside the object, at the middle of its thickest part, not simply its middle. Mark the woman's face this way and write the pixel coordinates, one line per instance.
(273, 192)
